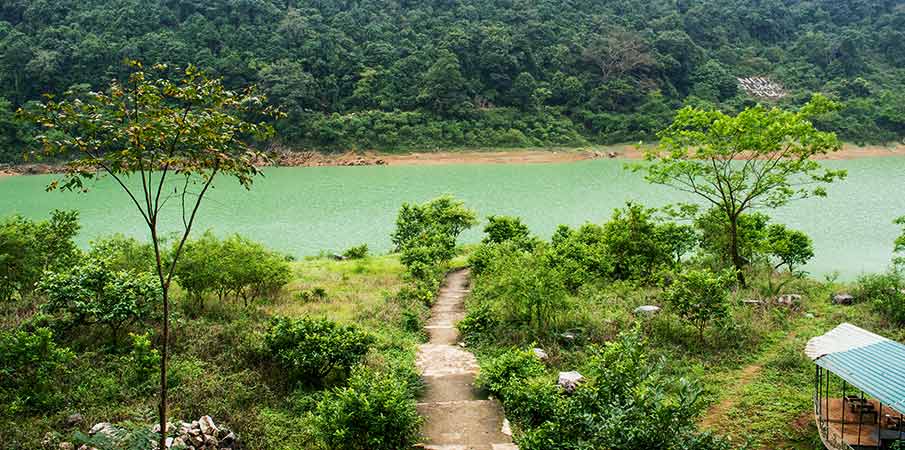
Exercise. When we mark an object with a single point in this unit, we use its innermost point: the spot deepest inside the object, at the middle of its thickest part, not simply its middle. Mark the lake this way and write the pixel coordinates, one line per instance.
(303, 211)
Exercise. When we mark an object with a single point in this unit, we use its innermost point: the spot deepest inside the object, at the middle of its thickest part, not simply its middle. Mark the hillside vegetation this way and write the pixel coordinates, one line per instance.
(428, 74)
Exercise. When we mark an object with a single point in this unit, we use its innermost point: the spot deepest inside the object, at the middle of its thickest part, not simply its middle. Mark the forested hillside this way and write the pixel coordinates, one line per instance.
(425, 74)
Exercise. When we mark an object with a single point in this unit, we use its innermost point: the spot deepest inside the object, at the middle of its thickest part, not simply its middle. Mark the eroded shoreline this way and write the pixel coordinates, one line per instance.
(490, 156)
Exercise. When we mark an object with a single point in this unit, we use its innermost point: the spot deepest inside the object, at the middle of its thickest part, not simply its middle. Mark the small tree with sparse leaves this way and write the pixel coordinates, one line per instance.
(163, 135)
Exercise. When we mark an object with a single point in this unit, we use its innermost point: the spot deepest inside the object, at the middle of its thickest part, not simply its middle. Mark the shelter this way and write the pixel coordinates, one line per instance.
(859, 389)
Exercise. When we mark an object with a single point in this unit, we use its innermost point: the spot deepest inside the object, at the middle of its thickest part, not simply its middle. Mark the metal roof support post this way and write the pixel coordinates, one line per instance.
(843, 409)
(901, 419)
(829, 412)
(860, 417)
(879, 422)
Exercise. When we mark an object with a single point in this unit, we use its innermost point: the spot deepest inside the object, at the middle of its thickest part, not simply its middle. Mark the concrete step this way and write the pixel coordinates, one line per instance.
(469, 447)
(470, 423)
(450, 388)
(442, 359)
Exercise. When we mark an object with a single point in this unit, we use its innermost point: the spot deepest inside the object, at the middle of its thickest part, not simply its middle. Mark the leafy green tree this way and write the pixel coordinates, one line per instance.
(501, 229)
(581, 255)
(632, 241)
(715, 237)
(118, 252)
(175, 134)
(432, 228)
(676, 239)
(18, 267)
(758, 158)
(700, 297)
(790, 247)
(444, 89)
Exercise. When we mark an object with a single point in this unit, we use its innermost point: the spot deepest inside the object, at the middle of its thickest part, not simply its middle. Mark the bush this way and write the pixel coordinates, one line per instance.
(375, 412)
(513, 366)
(310, 349)
(235, 266)
(580, 255)
(142, 363)
(315, 294)
(357, 252)
(121, 253)
(28, 248)
(700, 297)
(32, 368)
(92, 294)
(885, 292)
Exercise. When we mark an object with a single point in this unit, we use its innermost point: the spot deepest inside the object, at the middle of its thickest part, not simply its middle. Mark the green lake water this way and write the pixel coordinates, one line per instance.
(303, 211)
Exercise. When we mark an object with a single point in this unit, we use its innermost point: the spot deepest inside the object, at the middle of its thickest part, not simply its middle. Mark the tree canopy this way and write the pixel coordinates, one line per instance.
(366, 74)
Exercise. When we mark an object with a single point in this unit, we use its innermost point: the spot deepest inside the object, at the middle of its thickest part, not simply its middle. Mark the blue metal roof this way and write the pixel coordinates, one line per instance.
(872, 363)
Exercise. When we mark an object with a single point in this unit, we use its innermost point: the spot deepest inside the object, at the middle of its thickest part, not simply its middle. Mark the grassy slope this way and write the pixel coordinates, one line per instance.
(218, 367)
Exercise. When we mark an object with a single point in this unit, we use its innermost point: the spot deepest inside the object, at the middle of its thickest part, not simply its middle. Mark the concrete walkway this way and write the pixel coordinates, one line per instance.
(456, 416)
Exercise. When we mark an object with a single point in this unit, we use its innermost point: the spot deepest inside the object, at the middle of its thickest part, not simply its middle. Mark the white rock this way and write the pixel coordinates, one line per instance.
(207, 426)
(540, 353)
(647, 310)
(507, 429)
(569, 381)
(101, 428)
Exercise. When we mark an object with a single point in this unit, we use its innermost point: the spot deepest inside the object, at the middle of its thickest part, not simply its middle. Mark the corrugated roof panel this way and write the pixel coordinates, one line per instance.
(872, 363)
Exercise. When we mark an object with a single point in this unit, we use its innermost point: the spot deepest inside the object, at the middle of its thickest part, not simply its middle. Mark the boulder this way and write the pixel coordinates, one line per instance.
(646, 310)
(569, 381)
(843, 299)
(540, 353)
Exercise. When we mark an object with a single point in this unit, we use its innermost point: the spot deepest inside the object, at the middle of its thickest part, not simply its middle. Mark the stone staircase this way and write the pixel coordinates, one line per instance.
(456, 416)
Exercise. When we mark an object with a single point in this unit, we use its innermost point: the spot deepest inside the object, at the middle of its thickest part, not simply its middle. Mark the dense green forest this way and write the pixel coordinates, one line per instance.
(436, 73)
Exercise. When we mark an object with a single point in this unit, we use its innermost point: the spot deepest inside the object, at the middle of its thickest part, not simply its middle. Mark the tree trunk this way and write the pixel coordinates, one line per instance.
(163, 367)
(733, 250)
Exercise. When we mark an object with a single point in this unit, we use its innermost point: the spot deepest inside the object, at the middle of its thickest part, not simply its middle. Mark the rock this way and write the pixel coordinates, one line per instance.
(228, 441)
(809, 315)
(843, 299)
(101, 428)
(540, 353)
(66, 446)
(207, 426)
(178, 442)
(569, 381)
(507, 429)
(339, 257)
(74, 420)
(789, 300)
(568, 336)
(462, 345)
(647, 310)
(611, 154)
(169, 442)
(753, 302)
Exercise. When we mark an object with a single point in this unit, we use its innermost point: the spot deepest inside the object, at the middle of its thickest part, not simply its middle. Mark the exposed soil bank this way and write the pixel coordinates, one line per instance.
(488, 156)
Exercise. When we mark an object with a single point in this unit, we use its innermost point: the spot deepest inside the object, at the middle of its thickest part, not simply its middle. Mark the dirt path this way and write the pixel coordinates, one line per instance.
(456, 416)
(717, 412)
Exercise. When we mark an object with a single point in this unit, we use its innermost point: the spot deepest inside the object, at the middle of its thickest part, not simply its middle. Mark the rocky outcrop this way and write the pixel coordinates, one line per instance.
(201, 434)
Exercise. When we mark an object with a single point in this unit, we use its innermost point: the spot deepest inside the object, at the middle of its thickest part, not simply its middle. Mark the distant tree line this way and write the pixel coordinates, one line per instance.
(396, 75)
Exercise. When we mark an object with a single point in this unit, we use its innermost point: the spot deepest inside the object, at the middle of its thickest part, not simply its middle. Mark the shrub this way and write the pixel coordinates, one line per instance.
(92, 294)
(316, 293)
(32, 368)
(121, 253)
(580, 255)
(444, 215)
(700, 297)
(513, 366)
(885, 292)
(310, 349)
(357, 252)
(632, 241)
(375, 412)
(142, 363)
(28, 248)
(790, 247)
